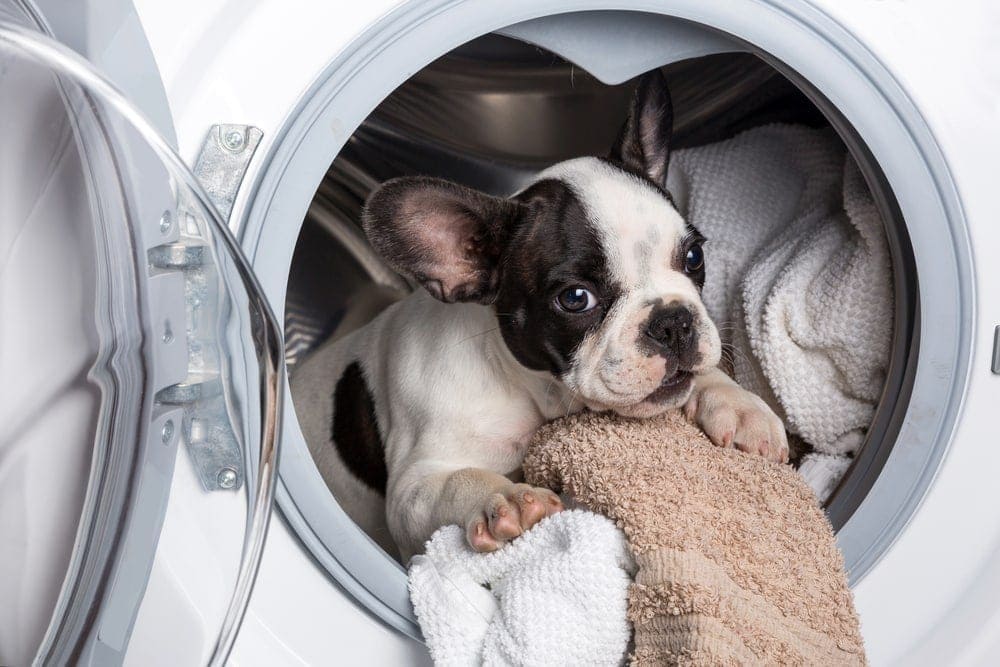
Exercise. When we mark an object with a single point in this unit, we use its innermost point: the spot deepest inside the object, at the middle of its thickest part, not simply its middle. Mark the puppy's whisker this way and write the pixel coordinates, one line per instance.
(481, 333)
(732, 355)
(732, 349)
(730, 330)
(548, 391)
(575, 393)
(569, 404)
(730, 327)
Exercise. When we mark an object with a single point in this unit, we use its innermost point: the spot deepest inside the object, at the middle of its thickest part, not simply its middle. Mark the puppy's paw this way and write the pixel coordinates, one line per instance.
(734, 417)
(508, 513)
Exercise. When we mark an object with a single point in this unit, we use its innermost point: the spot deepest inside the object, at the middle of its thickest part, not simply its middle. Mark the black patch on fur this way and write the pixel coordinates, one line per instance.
(355, 429)
(554, 246)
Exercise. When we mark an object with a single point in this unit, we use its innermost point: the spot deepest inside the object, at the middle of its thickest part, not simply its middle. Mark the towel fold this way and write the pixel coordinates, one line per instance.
(554, 596)
(799, 279)
(736, 561)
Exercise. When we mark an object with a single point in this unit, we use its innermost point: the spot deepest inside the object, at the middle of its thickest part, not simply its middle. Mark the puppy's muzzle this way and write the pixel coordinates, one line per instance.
(671, 331)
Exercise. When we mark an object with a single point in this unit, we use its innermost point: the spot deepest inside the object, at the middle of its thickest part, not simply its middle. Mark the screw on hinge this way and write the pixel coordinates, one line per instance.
(227, 478)
(234, 140)
(168, 431)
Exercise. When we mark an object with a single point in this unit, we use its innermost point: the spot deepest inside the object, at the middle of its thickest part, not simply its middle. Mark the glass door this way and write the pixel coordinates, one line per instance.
(143, 368)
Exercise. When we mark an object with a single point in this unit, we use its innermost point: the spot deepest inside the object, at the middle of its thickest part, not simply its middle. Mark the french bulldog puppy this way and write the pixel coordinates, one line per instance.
(580, 291)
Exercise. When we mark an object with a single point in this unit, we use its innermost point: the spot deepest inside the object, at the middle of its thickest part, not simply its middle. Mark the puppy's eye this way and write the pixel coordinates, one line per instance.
(695, 258)
(576, 300)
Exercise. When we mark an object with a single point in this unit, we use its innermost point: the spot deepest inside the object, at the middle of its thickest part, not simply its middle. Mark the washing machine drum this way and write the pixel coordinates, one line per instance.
(131, 322)
(499, 108)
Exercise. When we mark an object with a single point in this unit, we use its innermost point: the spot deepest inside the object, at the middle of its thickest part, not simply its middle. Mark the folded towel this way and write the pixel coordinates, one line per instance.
(554, 596)
(799, 279)
(736, 561)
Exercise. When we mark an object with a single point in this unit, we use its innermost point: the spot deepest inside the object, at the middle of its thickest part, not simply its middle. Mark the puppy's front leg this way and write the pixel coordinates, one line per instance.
(733, 416)
(490, 507)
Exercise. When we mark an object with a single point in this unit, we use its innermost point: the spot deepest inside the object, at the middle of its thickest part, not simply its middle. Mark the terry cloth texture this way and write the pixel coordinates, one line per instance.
(798, 280)
(737, 563)
(554, 596)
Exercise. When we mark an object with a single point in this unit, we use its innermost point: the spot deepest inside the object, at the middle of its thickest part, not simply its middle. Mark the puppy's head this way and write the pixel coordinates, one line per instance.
(594, 275)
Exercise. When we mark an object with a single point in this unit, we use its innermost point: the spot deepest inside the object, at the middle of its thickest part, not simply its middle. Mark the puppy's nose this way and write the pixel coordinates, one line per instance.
(672, 328)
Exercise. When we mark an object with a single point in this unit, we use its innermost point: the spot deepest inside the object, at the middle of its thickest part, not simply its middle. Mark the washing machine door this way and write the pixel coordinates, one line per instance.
(142, 370)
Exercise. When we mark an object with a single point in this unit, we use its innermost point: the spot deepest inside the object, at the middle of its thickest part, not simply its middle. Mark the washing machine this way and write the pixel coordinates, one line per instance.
(180, 189)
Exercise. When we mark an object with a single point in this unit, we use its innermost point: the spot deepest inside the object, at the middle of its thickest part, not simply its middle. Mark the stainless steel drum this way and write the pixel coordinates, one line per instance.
(496, 110)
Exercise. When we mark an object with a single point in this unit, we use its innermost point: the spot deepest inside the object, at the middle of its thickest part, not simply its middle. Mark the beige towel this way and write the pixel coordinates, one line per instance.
(737, 562)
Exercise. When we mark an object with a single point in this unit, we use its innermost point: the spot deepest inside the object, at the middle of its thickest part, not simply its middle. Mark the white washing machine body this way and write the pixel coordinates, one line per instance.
(929, 594)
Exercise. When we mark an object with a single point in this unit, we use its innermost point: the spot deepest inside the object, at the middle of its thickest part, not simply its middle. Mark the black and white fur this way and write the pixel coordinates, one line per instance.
(420, 418)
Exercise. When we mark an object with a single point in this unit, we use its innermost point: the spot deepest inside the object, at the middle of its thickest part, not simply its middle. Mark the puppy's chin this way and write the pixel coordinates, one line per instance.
(673, 392)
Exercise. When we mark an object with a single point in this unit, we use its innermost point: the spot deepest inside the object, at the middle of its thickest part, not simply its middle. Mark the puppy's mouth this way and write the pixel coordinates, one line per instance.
(671, 387)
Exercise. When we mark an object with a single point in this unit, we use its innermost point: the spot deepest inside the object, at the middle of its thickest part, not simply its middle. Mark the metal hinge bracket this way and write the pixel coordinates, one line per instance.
(212, 442)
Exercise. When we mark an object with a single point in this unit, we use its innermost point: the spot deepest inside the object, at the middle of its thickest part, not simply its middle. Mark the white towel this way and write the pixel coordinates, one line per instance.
(557, 595)
(798, 279)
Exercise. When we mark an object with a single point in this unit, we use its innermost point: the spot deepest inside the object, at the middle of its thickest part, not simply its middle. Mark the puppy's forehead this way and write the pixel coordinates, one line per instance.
(636, 224)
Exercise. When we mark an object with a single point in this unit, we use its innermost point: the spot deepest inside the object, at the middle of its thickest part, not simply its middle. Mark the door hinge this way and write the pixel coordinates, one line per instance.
(209, 413)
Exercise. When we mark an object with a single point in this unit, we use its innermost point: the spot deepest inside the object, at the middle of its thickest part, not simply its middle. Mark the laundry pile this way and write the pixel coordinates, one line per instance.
(713, 557)
(554, 596)
(798, 280)
(732, 559)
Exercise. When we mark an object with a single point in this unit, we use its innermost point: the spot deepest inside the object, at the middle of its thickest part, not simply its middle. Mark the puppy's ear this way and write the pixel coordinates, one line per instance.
(643, 145)
(446, 236)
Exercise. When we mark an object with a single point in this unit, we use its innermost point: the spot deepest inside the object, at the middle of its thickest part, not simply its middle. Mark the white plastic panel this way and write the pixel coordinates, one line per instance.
(615, 46)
